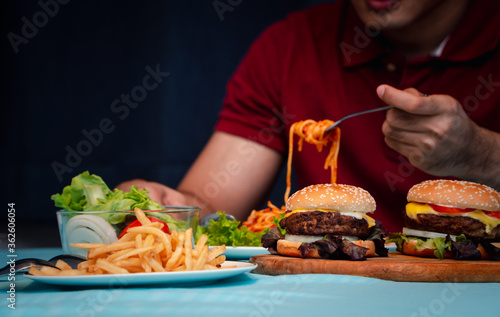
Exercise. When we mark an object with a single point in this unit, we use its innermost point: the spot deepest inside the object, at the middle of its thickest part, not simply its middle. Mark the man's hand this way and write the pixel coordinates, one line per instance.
(157, 192)
(436, 135)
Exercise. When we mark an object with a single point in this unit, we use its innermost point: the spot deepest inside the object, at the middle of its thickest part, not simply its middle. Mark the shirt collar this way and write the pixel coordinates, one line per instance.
(439, 50)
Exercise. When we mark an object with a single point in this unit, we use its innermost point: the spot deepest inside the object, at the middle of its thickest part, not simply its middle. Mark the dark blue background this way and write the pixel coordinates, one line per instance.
(89, 53)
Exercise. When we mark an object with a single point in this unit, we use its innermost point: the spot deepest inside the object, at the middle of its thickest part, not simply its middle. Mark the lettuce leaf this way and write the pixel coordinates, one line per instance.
(276, 223)
(90, 193)
(270, 239)
(462, 248)
(228, 232)
(440, 245)
(74, 196)
(378, 235)
(335, 247)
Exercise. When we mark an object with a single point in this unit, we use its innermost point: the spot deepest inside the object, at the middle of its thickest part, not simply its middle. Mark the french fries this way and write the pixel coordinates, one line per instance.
(143, 249)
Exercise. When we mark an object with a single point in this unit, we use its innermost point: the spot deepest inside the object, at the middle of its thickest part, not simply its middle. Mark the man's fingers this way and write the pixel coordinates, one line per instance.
(409, 100)
(413, 91)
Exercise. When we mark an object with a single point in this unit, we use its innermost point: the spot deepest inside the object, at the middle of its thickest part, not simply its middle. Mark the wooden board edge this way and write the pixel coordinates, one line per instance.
(420, 270)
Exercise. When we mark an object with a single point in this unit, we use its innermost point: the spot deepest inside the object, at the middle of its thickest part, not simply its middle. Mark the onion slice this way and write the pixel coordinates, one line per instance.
(425, 234)
(88, 229)
(310, 238)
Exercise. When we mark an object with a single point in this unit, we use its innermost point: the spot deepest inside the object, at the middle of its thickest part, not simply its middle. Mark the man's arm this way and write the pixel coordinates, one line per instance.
(436, 136)
(231, 174)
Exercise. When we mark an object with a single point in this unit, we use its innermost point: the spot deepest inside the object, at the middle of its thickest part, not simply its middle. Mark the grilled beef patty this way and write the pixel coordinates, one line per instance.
(322, 223)
(457, 225)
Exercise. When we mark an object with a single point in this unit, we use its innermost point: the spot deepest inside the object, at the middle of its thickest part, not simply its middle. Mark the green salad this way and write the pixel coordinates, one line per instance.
(89, 193)
(228, 232)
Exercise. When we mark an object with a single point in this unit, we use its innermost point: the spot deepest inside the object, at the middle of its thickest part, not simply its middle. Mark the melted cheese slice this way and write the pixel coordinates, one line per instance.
(413, 209)
(357, 215)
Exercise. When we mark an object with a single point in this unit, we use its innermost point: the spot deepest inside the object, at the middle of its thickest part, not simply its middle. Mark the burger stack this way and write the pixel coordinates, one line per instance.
(328, 221)
(451, 219)
(443, 219)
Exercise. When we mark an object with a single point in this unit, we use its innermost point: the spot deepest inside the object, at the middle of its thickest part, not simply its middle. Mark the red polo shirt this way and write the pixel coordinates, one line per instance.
(322, 63)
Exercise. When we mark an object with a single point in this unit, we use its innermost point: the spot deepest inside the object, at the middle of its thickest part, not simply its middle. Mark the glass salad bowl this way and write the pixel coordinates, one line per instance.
(108, 226)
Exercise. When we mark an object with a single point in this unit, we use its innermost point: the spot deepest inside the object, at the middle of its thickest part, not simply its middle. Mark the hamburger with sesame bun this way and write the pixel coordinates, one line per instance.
(328, 221)
(451, 219)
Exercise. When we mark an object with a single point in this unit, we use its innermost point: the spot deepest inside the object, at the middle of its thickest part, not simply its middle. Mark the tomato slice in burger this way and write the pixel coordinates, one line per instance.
(137, 223)
(450, 210)
(494, 214)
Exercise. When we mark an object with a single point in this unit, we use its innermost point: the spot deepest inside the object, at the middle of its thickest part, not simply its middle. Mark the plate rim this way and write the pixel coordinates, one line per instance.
(243, 247)
(145, 278)
(242, 252)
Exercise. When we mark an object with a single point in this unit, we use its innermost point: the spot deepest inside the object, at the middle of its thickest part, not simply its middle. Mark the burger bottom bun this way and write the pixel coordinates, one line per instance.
(409, 248)
(291, 248)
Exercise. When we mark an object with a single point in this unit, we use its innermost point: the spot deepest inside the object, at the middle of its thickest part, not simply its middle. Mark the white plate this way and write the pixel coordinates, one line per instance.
(240, 253)
(124, 280)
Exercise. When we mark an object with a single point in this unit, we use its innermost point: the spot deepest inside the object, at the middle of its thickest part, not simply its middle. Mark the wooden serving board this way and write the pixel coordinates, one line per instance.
(395, 267)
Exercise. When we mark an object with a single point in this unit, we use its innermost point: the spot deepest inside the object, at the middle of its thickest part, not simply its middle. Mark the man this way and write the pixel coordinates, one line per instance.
(437, 62)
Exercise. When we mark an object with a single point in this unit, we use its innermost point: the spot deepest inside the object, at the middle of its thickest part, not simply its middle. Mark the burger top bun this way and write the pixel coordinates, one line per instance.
(453, 193)
(335, 197)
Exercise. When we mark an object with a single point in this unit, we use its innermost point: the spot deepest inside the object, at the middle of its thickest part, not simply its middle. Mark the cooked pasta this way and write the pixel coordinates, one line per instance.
(314, 132)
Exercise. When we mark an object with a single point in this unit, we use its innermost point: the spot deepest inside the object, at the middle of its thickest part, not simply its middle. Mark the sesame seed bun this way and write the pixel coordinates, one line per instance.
(453, 193)
(335, 197)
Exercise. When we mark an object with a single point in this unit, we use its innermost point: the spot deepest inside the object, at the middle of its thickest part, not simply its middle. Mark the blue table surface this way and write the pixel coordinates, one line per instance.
(252, 295)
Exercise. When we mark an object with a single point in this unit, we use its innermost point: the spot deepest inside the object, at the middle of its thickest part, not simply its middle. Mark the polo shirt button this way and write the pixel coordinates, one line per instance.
(390, 67)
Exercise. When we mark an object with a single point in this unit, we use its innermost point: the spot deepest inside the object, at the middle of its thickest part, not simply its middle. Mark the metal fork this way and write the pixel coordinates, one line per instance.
(338, 122)
(23, 265)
